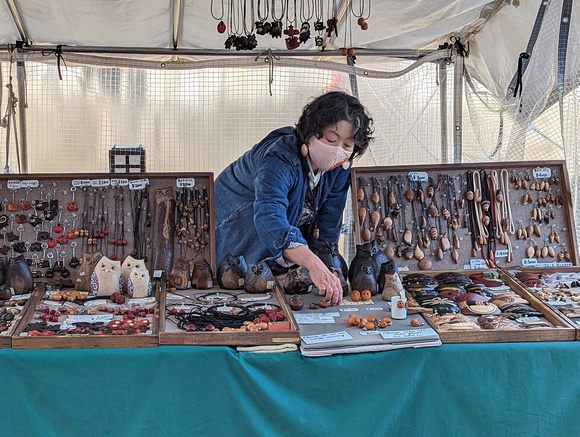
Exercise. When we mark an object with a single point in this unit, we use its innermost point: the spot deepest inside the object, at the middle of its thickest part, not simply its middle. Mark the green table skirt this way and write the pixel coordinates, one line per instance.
(525, 389)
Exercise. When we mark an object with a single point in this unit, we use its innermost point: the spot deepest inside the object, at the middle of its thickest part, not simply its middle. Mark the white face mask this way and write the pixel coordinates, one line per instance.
(324, 156)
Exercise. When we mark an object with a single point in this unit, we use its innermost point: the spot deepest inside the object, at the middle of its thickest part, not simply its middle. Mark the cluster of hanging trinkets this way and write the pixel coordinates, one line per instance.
(289, 19)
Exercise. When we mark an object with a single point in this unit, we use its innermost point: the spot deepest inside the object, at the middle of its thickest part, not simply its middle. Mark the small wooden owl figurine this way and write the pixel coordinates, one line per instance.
(179, 276)
(139, 283)
(83, 278)
(106, 278)
(202, 276)
(231, 272)
(128, 265)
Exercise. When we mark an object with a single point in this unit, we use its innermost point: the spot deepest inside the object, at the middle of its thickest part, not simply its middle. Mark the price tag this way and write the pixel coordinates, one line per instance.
(501, 253)
(173, 296)
(143, 300)
(224, 308)
(374, 309)
(542, 172)
(96, 302)
(85, 318)
(241, 282)
(313, 318)
(527, 319)
(363, 332)
(270, 285)
(185, 183)
(477, 263)
(33, 183)
(326, 338)
(529, 261)
(411, 333)
(81, 183)
(20, 296)
(96, 183)
(418, 176)
(66, 326)
(13, 185)
(138, 184)
(157, 274)
(119, 182)
(267, 296)
(349, 310)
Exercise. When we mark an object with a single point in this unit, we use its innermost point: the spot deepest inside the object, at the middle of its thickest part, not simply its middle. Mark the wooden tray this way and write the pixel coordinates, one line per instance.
(562, 330)
(551, 302)
(6, 336)
(21, 340)
(170, 334)
(450, 186)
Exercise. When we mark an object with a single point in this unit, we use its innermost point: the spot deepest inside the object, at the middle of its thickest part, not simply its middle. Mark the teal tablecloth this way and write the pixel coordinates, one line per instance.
(526, 389)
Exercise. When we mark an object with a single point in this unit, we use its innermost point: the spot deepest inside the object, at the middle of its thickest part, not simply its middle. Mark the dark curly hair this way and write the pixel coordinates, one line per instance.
(330, 108)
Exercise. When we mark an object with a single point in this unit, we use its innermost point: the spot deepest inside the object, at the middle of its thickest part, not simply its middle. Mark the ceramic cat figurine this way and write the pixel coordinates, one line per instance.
(83, 278)
(179, 276)
(127, 267)
(139, 283)
(106, 278)
(231, 272)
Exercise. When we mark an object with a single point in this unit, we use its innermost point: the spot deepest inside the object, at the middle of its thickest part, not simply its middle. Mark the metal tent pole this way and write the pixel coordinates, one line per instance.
(443, 110)
(458, 108)
(22, 105)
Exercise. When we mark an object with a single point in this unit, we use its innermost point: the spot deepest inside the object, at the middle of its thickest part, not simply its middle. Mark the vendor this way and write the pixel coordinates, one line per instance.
(286, 195)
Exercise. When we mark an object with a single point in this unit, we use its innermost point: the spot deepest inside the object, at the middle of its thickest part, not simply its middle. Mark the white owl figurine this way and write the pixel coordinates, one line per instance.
(106, 278)
(129, 264)
(139, 283)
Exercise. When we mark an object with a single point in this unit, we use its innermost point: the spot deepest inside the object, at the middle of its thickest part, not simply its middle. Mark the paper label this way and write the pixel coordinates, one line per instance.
(119, 182)
(32, 183)
(85, 318)
(411, 333)
(173, 296)
(501, 253)
(374, 309)
(224, 309)
(313, 318)
(529, 261)
(373, 332)
(66, 326)
(418, 176)
(20, 296)
(349, 310)
(218, 296)
(269, 285)
(540, 172)
(100, 183)
(326, 338)
(554, 264)
(143, 300)
(81, 183)
(185, 182)
(241, 282)
(13, 185)
(266, 296)
(96, 302)
(138, 184)
(477, 263)
(527, 319)
(157, 274)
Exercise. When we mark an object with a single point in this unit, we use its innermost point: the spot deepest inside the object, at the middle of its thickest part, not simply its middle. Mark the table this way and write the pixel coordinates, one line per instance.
(523, 389)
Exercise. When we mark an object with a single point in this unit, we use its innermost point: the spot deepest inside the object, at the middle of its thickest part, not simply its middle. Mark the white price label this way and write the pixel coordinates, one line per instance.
(374, 309)
(119, 182)
(540, 172)
(81, 182)
(478, 263)
(418, 176)
(85, 318)
(527, 319)
(96, 302)
(363, 332)
(138, 184)
(411, 333)
(529, 261)
(241, 282)
(326, 338)
(185, 182)
(143, 300)
(269, 285)
(33, 183)
(313, 318)
(157, 274)
(13, 185)
(20, 296)
(501, 253)
(349, 310)
(96, 183)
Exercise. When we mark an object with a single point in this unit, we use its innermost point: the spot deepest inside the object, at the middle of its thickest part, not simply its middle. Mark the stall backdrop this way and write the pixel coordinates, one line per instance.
(445, 81)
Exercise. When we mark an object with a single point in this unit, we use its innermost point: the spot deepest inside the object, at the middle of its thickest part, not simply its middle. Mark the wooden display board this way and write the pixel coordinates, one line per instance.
(20, 303)
(281, 332)
(430, 204)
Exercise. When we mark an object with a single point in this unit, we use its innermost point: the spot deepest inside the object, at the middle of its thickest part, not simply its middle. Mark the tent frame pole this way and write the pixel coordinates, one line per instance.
(458, 71)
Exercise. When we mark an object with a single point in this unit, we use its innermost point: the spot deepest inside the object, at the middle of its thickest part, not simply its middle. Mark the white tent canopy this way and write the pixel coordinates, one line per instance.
(496, 31)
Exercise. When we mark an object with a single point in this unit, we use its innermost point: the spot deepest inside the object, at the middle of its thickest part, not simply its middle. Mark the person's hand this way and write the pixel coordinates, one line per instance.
(327, 282)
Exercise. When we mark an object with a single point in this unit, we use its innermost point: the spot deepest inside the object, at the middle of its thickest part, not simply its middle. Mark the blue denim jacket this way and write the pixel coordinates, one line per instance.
(259, 200)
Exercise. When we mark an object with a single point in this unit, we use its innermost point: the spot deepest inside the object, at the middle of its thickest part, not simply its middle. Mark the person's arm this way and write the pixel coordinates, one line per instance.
(327, 283)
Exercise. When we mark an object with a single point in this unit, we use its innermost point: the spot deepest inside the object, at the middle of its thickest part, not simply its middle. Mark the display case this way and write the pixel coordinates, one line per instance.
(465, 222)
